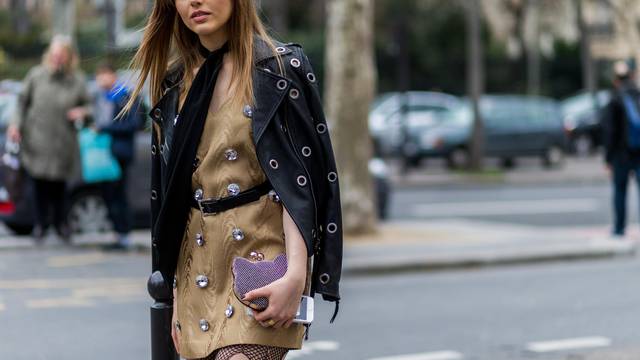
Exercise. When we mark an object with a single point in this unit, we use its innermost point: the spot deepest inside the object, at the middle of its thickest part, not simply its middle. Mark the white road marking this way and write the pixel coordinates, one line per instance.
(569, 344)
(438, 355)
(312, 346)
(508, 207)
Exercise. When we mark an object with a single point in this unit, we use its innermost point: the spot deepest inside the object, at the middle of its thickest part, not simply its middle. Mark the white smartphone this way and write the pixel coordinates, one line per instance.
(305, 311)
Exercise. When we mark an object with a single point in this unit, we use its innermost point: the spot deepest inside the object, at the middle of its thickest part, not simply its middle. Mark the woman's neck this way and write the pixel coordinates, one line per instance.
(214, 41)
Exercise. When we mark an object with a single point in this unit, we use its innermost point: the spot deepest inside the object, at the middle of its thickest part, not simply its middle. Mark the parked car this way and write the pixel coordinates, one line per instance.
(515, 126)
(386, 118)
(88, 212)
(581, 117)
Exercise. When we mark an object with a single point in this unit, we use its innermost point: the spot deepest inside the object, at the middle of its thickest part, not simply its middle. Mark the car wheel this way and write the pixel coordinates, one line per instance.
(553, 156)
(88, 213)
(458, 158)
(583, 145)
(19, 229)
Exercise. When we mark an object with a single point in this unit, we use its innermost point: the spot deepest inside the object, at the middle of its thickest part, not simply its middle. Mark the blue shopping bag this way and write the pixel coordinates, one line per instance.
(98, 163)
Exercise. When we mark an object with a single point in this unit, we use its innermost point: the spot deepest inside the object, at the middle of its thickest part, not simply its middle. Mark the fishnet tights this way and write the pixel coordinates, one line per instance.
(251, 351)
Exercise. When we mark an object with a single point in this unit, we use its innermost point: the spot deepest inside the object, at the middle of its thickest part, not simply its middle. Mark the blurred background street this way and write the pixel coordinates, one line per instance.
(486, 145)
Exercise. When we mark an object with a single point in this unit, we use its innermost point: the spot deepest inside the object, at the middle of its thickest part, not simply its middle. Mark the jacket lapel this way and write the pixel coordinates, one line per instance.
(267, 99)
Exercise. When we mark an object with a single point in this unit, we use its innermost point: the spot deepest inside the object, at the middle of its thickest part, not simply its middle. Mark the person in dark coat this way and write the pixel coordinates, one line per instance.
(622, 155)
(110, 101)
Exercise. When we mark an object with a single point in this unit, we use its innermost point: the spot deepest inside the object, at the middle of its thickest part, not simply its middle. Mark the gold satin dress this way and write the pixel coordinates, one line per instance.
(209, 314)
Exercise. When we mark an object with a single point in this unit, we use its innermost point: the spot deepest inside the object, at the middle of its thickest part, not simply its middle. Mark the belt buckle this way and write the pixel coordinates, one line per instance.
(204, 213)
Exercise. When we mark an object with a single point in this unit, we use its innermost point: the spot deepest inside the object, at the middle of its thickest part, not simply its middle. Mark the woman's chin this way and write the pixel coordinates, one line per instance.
(206, 29)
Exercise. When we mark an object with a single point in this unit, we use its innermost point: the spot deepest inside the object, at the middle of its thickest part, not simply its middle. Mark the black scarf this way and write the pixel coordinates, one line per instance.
(184, 145)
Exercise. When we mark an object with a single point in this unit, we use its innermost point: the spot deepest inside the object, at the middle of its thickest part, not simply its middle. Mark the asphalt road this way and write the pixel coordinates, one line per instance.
(544, 205)
(81, 304)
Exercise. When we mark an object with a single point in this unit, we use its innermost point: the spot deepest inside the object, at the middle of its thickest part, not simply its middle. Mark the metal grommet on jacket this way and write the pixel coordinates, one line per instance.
(332, 176)
(273, 163)
(153, 149)
(324, 278)
(306, 151)
(154, 195)
(311, 77)
(295, 63)
(281, 84)
(157, 113)
(294, 93)
(321, 128)
(302, 181)
(332, 227)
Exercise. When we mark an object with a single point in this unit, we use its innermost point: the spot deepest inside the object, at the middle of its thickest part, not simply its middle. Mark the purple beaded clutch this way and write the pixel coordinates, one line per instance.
(249, 275)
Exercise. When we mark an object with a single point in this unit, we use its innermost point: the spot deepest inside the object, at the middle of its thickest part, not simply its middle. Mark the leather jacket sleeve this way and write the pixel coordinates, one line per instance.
(328, 254)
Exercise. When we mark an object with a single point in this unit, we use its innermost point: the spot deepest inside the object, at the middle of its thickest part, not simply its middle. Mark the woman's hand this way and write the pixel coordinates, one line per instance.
(174, 319)
(284, 297)
(13, 133)
(77, 113)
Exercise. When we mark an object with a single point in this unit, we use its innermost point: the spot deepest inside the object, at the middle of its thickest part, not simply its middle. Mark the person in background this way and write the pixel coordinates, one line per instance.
(53, 101)
(110, 101)
(621, 132)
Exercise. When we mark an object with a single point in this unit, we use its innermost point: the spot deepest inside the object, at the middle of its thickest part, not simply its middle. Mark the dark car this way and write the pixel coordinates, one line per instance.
(393, 115)
(515, 126)
(87, 210)
(581, 117)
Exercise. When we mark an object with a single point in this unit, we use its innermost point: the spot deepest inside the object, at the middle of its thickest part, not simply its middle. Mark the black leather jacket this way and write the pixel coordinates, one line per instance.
(294, 150)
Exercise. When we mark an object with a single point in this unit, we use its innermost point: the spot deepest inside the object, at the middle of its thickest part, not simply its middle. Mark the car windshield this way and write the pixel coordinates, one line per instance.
(582, 103)
(458, 116)
(511, 111)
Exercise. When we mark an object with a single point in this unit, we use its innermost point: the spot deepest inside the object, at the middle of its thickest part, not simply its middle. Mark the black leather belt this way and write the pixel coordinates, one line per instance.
(212, 206)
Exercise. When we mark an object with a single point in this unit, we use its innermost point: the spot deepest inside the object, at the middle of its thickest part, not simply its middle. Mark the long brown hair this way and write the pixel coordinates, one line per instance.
(167, 43)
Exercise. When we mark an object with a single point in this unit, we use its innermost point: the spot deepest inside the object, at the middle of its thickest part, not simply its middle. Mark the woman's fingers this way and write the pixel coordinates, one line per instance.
(288, 323)
(254, 294)
(280, 323)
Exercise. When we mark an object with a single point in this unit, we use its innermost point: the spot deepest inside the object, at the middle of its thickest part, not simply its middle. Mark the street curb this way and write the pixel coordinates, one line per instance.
(423, 260)
(608, 249)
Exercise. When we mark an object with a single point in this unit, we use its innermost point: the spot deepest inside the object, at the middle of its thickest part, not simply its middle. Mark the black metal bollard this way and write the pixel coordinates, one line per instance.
(161, 311)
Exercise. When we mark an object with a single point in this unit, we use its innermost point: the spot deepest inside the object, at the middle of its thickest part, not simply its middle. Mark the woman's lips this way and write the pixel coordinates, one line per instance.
(199, 16)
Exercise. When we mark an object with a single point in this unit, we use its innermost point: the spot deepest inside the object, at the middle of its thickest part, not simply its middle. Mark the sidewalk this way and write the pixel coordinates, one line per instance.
(430, 245)
(528, 171)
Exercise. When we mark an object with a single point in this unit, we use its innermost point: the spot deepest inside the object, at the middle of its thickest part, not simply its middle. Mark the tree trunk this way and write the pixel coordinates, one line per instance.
(19, 18)
(532, 38)
(475, 83)
(350, 87)
(110, 17)
(64, 16)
